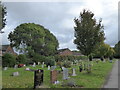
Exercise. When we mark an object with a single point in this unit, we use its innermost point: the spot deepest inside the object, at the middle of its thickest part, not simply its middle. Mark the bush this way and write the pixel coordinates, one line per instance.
(69, 58)
(8, 60)
(38, 58)
(21, 59)
(67, 64)
(50, 61)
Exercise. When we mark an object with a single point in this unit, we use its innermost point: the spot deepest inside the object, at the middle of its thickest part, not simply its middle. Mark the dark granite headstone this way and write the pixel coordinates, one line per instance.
(80, 68)
(38, 78)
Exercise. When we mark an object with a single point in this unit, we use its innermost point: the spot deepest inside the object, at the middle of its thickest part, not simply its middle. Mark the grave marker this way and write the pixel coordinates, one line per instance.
(5, 68)
(38, 78)
(74, 74)
(65, 73)
(48, 67)
(53, 76)
(15, 74)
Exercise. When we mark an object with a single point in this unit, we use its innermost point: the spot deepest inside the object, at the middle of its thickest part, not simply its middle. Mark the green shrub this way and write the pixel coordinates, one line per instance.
(8, 60)
(38, 58)
(67, 64)
(21, 59)
(69, 58)
(50, 61)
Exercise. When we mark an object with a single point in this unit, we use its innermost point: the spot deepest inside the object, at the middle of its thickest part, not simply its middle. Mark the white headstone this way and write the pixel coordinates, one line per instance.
(65, 73)
(27, 69)
(34, 64)
(15, 73)
(5, 68)
(53, 67)
(62, 68)
(48, 67)
(16, 66)
(38, 63)
(42, 65)
(74, 74)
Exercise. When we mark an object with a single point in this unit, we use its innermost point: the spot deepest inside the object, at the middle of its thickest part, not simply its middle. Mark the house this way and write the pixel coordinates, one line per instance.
(76, 53)
(65, 52)
(7, 49)
(68, 52)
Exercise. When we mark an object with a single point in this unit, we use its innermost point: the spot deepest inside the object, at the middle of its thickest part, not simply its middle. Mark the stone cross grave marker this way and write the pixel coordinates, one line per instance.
(65, 73)
(74, 74)
(48, 67)
(53, 76)
(5, 68)
(38, 78)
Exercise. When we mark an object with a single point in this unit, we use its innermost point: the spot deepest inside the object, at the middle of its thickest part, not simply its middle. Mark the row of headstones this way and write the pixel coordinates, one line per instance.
(38, 76)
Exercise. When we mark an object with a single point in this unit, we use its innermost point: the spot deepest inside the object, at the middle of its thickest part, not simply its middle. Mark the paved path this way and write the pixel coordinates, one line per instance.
(112, 81)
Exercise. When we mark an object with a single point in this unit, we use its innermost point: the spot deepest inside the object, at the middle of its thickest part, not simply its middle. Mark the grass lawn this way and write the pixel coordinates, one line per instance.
(26, 79)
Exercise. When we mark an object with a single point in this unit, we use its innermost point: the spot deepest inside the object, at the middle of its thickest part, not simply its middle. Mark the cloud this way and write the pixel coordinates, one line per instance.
(58, 17)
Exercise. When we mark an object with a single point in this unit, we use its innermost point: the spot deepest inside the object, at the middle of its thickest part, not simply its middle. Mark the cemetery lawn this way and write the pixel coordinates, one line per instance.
(95, 79)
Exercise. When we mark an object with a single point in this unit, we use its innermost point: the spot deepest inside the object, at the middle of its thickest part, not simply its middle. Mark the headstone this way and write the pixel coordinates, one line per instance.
(80, 68)
(89, 68)
(27, 69)
(63, 68)
(5, 68)
(85, 66)
(16, 66)
(48, 67)
(42, 65)
(38, 78)
(74, 74)
(71, 63)
(53, 67)
(53, 76)
(38, 63)
(65, 73)
(34, 64)
(15, 73)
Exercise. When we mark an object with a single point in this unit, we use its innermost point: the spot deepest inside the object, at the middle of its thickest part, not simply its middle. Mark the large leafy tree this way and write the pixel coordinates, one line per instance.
(33, 38)
(104, 50)
(117, 49)
(2, 17)
(88, 33)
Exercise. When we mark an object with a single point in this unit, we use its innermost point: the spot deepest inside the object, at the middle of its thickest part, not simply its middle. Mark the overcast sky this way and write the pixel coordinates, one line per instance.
(58, 17)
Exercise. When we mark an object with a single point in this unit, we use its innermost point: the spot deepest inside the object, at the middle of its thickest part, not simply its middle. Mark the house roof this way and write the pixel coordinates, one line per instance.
(4, 47)
(61, 50)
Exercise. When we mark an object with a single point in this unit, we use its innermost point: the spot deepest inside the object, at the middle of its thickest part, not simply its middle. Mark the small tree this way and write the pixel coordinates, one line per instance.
(8, 60)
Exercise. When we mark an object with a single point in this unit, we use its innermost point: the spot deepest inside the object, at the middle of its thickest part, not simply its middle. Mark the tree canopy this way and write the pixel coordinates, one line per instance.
(117, 49)
(33, 38)
(104, 50)
(2, 16)
(88, 33)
